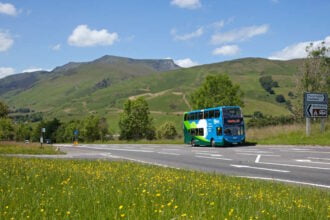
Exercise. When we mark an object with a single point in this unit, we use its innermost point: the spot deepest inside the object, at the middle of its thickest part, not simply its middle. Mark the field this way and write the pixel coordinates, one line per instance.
(36, 188)
(21, 148)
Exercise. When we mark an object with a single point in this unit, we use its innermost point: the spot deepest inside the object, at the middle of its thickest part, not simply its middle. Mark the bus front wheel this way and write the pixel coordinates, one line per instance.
(212, 143)
(193, 143)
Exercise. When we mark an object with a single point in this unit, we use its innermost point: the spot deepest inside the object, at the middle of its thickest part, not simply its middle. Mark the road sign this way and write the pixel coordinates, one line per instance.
(76, 132)
(316, 105)
(317, 111)
(43, 130)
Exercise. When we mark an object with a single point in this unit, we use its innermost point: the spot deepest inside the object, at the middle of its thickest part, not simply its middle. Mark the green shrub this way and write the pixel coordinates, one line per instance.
(167, 131)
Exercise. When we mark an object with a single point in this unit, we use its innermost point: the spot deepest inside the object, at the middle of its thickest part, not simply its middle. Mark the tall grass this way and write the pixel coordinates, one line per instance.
(56, 189)
(290, 134)
(22, 148)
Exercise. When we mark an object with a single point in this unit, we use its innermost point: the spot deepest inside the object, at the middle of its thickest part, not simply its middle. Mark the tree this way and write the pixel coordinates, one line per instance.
(4, 110)
(217, 91)
(314, 77)
(22, 132)
(91, 128)
(167, 131)
(135, 122)
(6, 129)
(280, 99)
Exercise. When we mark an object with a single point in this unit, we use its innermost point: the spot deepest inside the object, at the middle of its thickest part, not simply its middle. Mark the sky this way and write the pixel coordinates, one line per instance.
(40, 35)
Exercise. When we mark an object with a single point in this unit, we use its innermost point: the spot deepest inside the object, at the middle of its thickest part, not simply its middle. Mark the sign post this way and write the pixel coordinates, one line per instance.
(43, 130)
(315, 106)
(76, 133)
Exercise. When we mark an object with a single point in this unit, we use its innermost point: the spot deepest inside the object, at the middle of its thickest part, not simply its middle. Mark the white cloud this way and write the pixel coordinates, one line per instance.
(6, 41)
(8, 9)
(239, 34)
(32, 69)
(227, 50)
(82, 36)
(297, 50)
(56, 47)
(199, 32)
(6, 71)
(189, 4)
(187, 62)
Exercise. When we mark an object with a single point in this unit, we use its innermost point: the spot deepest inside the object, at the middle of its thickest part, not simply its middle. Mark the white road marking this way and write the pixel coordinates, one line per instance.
(215, 158)
(259, 168)
(292, 165)
(168, 153)
(117, 149)
(286, 181)
(265, 155)
(171, 149)
(318, 158)
(257, 159)
(309, 161)
(306, 151)
(252, 151)
(201, 151)
(210, 154)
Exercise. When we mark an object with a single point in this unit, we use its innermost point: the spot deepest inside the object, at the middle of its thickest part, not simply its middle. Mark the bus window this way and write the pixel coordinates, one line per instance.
(206, 114)
(212, 114)
(201, 131)
(200, 115)
(185, 117)
(216, 113)
(192, 131)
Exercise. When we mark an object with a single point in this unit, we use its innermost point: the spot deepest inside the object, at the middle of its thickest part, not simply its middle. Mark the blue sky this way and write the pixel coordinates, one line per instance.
(38, 34)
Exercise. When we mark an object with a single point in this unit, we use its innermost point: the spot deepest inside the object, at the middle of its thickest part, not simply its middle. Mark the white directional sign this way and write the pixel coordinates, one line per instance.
(316, 105)
(315, 97)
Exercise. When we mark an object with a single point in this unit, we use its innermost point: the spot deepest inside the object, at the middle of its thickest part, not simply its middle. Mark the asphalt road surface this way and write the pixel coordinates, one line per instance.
(306, 165)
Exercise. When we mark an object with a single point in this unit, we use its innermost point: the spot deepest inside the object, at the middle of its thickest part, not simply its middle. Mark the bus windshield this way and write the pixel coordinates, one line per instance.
(232, 113)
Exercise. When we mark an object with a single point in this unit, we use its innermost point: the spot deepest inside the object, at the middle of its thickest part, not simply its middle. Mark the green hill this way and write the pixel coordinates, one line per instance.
(101, 86)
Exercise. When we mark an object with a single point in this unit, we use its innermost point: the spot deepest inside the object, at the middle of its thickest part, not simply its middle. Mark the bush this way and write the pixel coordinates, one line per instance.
(259, 120)
(280, 99)
(268, 84)
(167, 131)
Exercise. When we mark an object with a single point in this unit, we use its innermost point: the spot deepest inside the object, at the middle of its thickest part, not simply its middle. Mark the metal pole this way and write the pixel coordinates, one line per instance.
(308, 127)
(322, 125)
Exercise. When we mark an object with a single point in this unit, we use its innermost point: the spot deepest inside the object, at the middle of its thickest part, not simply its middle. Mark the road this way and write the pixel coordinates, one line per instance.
(306, 165)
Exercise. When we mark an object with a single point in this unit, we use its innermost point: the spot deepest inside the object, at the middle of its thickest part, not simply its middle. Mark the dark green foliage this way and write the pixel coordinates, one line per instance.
(6, 129)
(280, 99)
(4, 110)
(290, 94)
(259, 120)
(217, 91)
(268, 83)
(167, 131)
(22, 132)
(135, 122)
(104, 83)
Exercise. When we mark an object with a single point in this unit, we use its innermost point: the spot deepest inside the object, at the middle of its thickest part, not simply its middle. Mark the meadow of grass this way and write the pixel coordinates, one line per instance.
(289, 134)
(22, 148)
(64, 189)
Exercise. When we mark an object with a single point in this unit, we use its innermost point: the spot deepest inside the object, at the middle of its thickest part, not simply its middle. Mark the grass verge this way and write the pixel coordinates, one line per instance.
(289, 134)
(21, 148)
(62, 189)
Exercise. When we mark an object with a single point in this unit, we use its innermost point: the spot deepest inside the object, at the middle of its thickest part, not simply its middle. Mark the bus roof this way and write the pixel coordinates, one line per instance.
(214, 108)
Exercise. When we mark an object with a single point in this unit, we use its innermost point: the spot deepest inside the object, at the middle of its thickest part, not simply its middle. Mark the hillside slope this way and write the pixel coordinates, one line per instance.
(101, 86)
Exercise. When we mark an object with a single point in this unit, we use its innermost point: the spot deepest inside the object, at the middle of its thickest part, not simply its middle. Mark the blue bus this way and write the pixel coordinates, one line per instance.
(219, 126)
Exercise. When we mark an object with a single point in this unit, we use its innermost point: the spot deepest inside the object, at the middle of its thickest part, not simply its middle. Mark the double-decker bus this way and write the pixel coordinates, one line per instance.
(219, 126)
